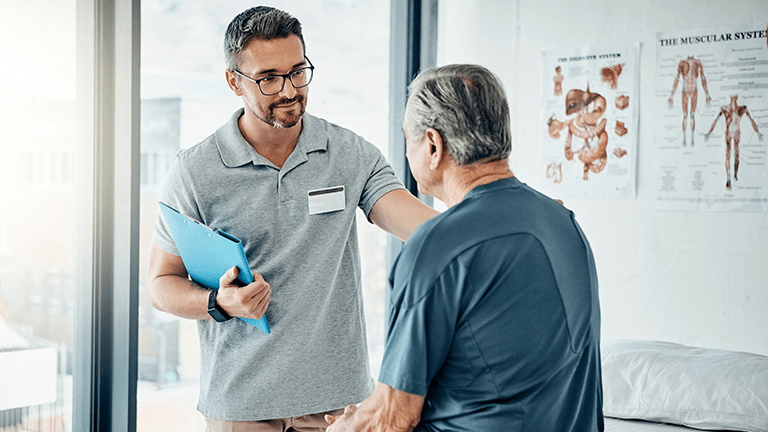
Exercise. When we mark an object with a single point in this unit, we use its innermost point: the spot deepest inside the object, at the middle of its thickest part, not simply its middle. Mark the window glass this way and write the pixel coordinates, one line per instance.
(38, 197)
(184, 98)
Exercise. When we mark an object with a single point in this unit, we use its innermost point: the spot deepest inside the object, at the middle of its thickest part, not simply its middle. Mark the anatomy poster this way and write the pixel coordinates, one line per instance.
(711, 98)
(589, 124)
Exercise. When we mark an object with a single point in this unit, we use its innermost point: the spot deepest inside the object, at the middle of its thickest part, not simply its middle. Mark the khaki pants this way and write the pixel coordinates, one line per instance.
(305, 423)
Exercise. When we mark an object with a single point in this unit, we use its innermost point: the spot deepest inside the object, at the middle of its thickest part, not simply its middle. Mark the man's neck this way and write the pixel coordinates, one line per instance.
(274, 144)
(463, 179)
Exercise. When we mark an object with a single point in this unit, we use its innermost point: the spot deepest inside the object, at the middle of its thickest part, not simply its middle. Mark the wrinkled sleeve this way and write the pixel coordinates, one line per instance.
(381, 177)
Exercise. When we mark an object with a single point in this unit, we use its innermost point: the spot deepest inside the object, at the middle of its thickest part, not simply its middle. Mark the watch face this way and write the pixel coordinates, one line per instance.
(217, 315)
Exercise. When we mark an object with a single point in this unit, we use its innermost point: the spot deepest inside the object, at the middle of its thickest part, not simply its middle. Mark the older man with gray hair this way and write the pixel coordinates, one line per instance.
(493, 319)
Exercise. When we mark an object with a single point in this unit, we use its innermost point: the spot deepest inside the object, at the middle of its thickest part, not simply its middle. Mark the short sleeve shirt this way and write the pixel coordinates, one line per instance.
(316, 357)
(494, 317)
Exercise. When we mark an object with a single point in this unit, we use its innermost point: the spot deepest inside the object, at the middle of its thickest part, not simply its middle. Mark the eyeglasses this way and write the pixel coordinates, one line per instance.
(274, 84)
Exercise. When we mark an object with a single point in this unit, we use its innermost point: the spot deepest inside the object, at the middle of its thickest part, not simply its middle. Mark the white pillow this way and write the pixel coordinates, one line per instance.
(670, 383)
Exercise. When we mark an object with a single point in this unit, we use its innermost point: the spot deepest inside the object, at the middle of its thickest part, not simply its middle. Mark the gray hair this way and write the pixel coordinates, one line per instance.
(467, 105)
(262, 23)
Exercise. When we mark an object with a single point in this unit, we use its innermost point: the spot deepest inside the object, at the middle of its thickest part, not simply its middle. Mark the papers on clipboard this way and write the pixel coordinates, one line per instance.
(208, 254)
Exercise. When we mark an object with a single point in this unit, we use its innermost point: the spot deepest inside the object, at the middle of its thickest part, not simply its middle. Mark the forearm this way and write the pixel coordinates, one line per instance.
(178, 296)
(170, 290)
(754, 125)
(674, 86)
(713, 125)
(400, 213)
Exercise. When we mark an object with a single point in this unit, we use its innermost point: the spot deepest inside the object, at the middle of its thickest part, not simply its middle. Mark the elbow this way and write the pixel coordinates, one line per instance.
(153, 294)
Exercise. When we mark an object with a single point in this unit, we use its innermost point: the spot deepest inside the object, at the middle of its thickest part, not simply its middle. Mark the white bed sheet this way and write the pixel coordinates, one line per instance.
(617, 425)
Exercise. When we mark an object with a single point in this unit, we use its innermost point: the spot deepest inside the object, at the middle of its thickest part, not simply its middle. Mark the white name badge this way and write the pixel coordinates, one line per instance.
(326, 200)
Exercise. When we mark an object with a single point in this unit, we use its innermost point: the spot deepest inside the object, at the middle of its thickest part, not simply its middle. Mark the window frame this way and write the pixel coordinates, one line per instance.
(106, 333)
(412, 48)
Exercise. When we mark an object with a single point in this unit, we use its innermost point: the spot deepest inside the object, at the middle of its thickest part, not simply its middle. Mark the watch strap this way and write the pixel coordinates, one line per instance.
(214, 310)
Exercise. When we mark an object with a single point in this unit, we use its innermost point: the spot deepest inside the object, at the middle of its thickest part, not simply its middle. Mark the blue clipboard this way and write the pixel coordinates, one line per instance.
(208, 254)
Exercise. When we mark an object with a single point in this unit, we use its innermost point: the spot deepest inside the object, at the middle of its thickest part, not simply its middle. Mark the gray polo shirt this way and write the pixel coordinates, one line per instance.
(316, 358)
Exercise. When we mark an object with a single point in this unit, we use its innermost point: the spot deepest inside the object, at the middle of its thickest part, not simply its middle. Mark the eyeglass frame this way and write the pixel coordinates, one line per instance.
(258, 81)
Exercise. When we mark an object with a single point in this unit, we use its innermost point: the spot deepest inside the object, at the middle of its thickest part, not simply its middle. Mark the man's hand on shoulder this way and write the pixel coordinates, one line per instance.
(249, 301)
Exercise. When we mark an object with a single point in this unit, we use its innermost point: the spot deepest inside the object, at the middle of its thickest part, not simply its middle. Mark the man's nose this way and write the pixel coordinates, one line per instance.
(288, 91)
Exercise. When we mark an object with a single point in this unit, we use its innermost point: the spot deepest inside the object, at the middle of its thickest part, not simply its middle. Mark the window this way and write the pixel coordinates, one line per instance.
(38, 211)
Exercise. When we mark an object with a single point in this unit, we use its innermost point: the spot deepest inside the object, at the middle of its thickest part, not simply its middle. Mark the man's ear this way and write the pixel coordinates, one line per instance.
(436, 147)
(233, 82)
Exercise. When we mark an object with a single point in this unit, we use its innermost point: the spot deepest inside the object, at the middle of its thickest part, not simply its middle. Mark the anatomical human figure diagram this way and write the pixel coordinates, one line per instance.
(588, 107)
(558, 79)
(733, 112)
(690, 69)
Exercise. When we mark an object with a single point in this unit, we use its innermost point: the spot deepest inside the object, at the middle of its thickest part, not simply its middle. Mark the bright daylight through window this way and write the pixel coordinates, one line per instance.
(38, 214)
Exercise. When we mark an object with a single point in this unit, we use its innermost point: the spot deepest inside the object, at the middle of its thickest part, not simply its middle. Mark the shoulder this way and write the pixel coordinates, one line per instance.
(487, 213)
(198, 154)
(493, 213)
(318, 128)
(186, 165)
(320, 125)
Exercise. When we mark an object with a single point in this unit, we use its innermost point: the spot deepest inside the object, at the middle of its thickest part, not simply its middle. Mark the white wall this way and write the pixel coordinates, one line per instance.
(697, 278)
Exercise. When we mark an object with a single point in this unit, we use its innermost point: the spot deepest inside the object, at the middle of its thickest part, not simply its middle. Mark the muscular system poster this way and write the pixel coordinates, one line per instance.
(589, 122)
(712, 103)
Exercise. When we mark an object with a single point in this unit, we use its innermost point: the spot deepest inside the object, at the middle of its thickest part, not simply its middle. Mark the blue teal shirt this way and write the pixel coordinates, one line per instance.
(493, 316)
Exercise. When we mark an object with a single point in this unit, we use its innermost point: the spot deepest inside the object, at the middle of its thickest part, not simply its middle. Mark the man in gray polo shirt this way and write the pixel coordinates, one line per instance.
(288, 185)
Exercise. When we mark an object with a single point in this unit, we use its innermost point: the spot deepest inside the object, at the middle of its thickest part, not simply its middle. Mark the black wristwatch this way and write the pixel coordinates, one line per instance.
(214, 310)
